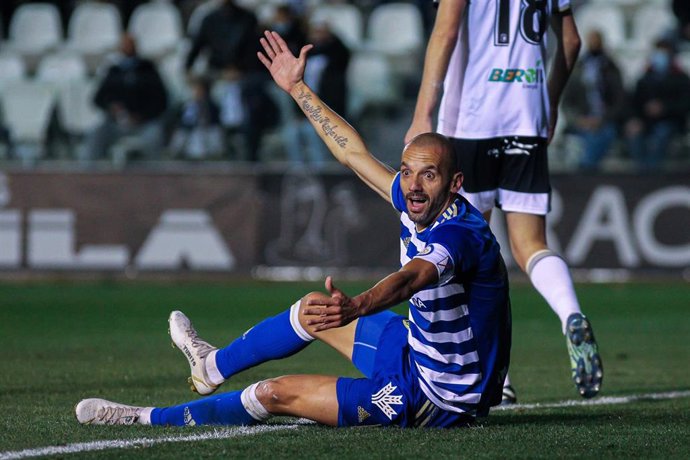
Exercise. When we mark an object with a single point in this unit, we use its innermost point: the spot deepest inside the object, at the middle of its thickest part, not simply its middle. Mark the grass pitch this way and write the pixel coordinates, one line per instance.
(60, 343)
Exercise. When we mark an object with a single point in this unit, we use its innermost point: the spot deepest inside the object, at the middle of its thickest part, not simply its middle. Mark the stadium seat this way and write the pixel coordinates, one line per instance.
(609, 19)
(649, 23)
(370, 83)
(61, 67)
(632, 65)
(27, 107)
(76, 112)
(173, 74)
(157, 28)
(12, 68)
(395, 29)
(35, 28)
(94, 28)
(345, 20)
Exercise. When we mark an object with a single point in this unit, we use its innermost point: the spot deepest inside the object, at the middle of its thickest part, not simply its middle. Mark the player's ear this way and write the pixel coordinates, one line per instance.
(456, 182)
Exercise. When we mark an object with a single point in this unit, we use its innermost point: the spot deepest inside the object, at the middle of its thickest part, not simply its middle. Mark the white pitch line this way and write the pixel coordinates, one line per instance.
(605, 400)
(248, 431)
(141, 442)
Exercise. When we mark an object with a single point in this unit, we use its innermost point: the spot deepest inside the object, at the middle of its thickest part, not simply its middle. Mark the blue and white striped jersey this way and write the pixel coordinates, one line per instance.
(460, 329)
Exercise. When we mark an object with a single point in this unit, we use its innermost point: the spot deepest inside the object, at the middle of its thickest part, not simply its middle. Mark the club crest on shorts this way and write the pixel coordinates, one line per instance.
(383, 399)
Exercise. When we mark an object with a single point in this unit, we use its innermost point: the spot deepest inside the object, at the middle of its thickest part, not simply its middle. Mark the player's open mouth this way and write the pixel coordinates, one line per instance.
(416, 203)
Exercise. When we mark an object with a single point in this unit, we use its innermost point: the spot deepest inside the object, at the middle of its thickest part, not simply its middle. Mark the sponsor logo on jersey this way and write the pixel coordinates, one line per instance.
(384, 399)
(530, 75)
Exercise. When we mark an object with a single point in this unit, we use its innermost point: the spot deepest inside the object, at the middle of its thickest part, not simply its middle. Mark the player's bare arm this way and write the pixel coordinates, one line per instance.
(339, 309)
(567, 49)
(342, 140)
(438, 52)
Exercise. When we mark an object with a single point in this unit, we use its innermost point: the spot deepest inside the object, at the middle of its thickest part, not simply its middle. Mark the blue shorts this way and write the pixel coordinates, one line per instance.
(390, 394)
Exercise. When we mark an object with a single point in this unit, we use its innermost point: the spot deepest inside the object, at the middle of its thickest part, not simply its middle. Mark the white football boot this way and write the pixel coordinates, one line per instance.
(102, 412)
(196, 350)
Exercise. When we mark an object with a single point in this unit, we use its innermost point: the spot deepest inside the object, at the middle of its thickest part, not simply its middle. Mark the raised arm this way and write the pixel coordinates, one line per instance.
(342, 140)
(339, 309)
(567, 48)
(438, 52)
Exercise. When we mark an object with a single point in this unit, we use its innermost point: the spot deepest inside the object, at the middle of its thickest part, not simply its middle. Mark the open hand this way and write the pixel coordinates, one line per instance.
(331, 311)
(286, 69)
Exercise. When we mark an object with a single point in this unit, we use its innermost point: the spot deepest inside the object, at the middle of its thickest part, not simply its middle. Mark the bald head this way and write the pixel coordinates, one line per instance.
(436, 144)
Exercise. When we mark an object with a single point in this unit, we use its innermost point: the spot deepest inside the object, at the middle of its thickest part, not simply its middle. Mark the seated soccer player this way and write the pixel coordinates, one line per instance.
(441, 366)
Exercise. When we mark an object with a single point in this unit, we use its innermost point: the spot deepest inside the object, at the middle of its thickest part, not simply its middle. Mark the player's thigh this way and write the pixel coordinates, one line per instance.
(309, 396)
(341, 338)
(524, 184)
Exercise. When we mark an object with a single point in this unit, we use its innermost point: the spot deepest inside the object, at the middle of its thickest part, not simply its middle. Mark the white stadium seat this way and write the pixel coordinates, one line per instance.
(608, 19)
(35, 28)
(27, 107)
(370, 83)
(395, 28)
(649, 23)
(157, 28)
(61, 68)
(12, 68)
(94, 28)
(76, 111)
(343, 19)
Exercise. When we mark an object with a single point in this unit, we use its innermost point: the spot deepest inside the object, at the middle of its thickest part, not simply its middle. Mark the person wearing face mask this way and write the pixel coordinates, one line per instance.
(594, 101)
(659, 108)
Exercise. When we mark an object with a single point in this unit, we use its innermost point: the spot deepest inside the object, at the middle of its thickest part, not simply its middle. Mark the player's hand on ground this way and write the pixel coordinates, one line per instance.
(286, 69)
(329, 311)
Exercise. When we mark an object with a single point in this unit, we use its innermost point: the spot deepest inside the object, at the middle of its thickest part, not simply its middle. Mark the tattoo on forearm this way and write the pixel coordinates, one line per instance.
(315, 113)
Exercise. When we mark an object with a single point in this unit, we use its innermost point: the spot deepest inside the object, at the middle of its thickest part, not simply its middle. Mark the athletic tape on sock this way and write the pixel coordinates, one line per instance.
(294, 322)
(252, 404)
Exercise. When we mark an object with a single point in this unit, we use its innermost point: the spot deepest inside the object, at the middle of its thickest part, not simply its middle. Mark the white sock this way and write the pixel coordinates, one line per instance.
(506, 382)
(252, 404)
(551, 278)
(145, 416)
(212, 371)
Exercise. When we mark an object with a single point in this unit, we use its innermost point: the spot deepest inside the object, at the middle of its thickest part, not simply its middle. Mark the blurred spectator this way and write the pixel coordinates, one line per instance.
(290, 26)
(660, 106)
(594, 101)
(325, 73)
(134, 99)
(229, 36)
(681, 8)
(198, 134)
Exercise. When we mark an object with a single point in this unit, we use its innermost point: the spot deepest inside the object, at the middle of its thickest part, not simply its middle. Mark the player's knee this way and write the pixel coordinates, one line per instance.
(274, 395)
(305, 304)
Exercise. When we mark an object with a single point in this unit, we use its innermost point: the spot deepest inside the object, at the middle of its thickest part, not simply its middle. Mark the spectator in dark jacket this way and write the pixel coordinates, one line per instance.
(660, 106)
(594, 101)
(134, 98)
(229, 34)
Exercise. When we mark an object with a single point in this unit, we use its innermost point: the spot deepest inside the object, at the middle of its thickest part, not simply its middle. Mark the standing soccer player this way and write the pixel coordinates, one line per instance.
(440, 366)
(488, 60)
